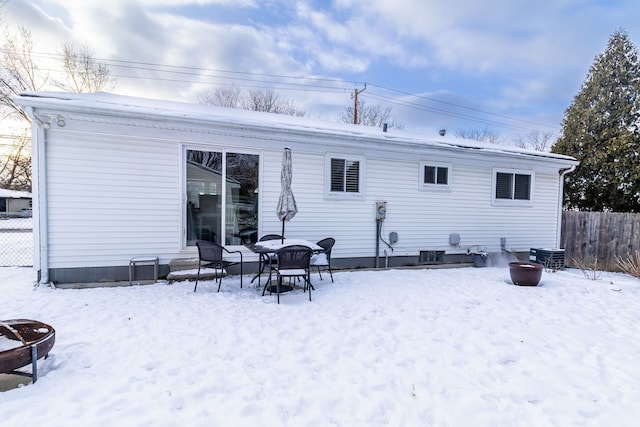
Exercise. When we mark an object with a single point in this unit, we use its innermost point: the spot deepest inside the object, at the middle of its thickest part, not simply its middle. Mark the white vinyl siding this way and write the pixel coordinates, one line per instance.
(107, 205)
(115, 189)
(111, 198)
(424, 219)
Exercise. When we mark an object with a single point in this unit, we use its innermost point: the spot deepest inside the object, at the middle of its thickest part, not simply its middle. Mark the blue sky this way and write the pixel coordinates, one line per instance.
(511, 66)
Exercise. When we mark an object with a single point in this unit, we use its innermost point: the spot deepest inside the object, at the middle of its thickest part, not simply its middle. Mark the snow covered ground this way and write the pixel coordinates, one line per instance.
(441, 347)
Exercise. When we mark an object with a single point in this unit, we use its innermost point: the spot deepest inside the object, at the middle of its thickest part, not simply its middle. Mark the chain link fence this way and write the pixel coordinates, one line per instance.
(16, 242)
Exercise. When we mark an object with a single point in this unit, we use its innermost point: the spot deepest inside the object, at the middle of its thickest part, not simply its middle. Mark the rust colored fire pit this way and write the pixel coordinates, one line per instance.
(525, 273)
(24, 342)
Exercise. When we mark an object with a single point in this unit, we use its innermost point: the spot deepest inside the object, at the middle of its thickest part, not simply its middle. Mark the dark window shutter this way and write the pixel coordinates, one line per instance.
(522, 187)
(337, 175)
(504, 185)
(429, 175)
(443, 176)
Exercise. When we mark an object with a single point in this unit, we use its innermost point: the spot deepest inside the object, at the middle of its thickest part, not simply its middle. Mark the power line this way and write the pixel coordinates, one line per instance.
(193, 71)
(260, 79)
(447, 113)
(199, 75)
(278, 85)
(459, 105)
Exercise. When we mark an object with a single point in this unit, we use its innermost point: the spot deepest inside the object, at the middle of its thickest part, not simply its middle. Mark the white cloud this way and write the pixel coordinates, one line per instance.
(506, 55)
(480, 36)
(129, 32)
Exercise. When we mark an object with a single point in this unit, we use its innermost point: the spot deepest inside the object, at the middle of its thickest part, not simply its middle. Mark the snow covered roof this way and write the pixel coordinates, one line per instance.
(102, 103)
(12, 194)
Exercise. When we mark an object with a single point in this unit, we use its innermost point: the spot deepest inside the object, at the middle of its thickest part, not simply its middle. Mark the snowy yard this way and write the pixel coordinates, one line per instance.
(442, 347)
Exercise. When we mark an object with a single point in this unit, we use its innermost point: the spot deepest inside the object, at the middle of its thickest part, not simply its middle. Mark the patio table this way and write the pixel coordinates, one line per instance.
(268, 248)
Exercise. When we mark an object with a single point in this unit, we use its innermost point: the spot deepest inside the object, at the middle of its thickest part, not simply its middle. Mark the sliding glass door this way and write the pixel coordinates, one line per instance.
(222, 197)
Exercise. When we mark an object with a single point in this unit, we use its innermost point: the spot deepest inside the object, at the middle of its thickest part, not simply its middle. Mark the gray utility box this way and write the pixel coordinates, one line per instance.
(550, 258)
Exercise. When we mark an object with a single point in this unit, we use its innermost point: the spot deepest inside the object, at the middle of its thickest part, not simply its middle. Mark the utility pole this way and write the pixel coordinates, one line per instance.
(357, 92)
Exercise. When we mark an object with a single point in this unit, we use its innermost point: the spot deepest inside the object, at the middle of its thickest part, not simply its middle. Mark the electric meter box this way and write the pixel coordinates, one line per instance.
(381, 210)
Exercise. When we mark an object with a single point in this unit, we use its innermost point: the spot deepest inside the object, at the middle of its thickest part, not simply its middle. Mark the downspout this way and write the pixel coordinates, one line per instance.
(563, 172)
(39, 165)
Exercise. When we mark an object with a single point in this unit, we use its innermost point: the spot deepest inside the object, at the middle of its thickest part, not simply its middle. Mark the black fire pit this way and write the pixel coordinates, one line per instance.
(525, 273)
(33, 340)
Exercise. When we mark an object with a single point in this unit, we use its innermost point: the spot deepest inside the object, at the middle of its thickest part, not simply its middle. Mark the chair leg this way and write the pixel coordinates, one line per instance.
(261, 266)
(278, 282)
(268, 282)
(330, 273)
(197, 277)
(319, 273)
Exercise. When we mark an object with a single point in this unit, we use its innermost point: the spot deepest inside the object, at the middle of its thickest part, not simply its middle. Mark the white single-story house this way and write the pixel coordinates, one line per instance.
(15, 203)
(117, 177)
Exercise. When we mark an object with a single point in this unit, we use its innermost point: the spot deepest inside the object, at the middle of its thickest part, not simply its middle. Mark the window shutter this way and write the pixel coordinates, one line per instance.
(504, 185)
(337, 175)
(429, 175)
(443, 176)
(352, 177)
(522, 187)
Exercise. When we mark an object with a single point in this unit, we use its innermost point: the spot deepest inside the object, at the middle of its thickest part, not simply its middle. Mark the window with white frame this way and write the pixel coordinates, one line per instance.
(344, 176)
(221, 196)
(435, 175)
(512, 187)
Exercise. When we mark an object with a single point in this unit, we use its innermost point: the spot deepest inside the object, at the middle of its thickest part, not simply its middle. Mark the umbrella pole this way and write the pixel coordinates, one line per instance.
(282, 235)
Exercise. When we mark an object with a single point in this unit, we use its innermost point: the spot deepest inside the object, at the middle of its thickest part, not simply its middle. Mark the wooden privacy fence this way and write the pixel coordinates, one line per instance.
(599, 237)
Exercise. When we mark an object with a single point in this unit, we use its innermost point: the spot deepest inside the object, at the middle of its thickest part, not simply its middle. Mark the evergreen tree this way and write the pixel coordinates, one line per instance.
(601, 130)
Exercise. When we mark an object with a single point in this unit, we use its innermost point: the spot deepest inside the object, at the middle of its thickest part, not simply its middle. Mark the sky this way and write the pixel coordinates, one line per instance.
(511, 67)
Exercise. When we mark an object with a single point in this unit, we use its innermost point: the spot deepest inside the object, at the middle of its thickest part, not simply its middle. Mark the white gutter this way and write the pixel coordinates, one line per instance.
(563, 172)
(39, 166)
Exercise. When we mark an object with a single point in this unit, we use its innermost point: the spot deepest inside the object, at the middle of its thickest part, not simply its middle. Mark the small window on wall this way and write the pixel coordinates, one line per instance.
(435, 176)
(344, 176)
(513, 187)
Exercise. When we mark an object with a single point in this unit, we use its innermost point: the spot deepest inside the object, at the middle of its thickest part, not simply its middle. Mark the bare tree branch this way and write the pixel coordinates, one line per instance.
(223, 96)
(370, 115)
(267, 101)
(485, 135)
(15, 171)
(18, 72)
(84, 74)
(536, 140)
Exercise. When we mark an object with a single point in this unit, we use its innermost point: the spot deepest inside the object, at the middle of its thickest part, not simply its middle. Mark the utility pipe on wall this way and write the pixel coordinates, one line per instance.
(39, 188)
(378, 227)
(381, 213)
(563, 172)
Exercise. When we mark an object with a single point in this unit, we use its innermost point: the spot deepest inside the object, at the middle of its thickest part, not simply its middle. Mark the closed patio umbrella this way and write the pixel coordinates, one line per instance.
(287, 208)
